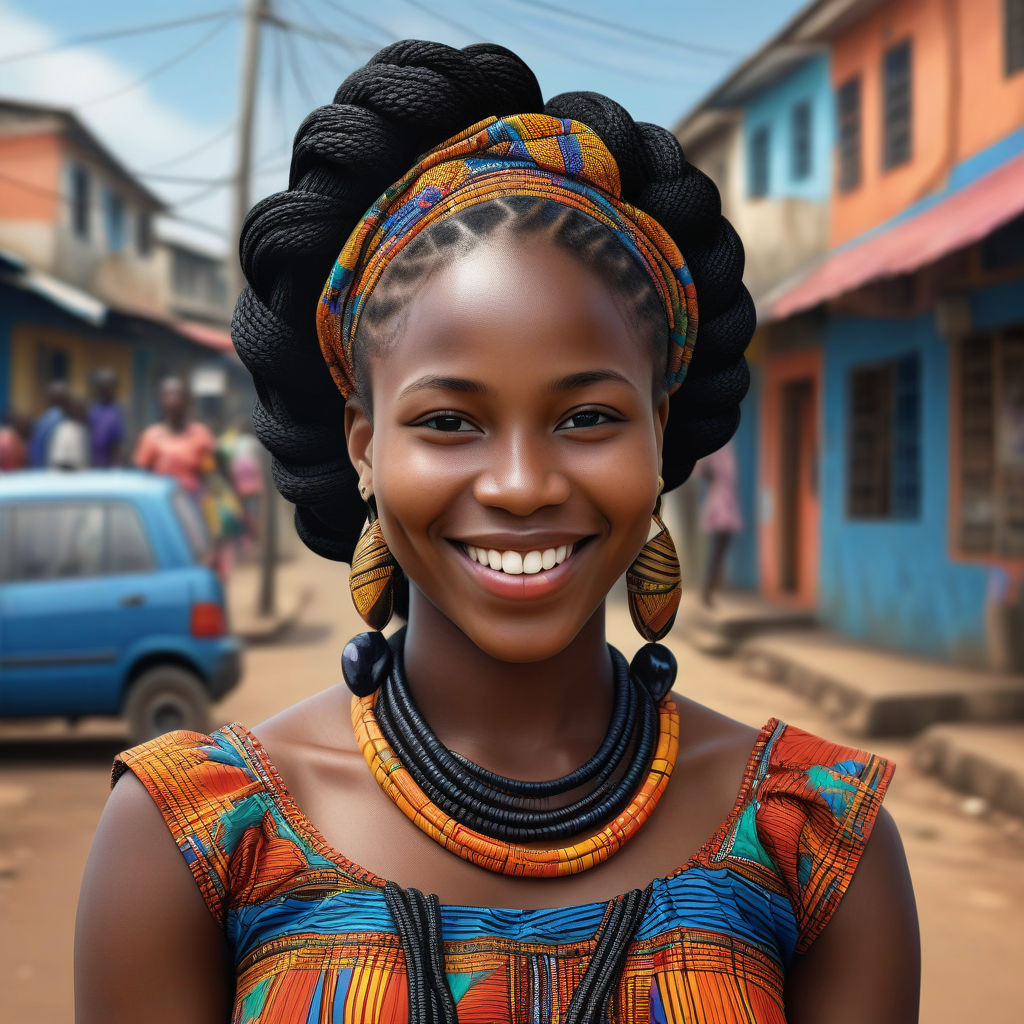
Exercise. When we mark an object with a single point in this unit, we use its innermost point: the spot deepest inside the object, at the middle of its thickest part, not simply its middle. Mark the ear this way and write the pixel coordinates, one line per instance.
(359, 440)
(660, 419)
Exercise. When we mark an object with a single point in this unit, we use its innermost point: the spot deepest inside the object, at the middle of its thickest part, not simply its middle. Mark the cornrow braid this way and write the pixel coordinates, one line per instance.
(409, 97)
(519, 216)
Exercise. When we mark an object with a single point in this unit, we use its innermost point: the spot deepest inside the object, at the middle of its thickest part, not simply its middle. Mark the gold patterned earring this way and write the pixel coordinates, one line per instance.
(654, 582)
(372, 580)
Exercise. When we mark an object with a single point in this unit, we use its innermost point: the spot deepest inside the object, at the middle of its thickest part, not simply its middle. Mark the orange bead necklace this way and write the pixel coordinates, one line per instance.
(499, 855)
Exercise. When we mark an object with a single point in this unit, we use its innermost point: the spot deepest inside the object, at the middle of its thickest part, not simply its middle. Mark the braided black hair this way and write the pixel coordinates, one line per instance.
(409, 97)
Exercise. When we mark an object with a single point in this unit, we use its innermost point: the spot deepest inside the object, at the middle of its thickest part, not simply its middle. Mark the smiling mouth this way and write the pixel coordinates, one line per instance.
(521, 563)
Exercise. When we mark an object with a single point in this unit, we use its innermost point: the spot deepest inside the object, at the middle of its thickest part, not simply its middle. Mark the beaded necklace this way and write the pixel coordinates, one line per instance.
(653, 757)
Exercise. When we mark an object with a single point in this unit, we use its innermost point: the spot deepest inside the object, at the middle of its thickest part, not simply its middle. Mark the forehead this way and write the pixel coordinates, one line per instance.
(516, 307)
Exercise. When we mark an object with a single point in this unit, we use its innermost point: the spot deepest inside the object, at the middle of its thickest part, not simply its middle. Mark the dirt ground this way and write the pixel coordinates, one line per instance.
(967, 866)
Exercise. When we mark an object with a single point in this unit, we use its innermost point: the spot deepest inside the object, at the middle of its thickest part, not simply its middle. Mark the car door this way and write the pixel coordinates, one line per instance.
(67, 616)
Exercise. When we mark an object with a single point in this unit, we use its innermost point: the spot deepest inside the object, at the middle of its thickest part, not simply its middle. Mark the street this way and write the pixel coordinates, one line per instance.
(968, 869)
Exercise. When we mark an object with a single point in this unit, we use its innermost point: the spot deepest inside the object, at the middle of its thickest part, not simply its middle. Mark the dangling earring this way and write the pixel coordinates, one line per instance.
(373, 570)
(366, 659)
(654, 582)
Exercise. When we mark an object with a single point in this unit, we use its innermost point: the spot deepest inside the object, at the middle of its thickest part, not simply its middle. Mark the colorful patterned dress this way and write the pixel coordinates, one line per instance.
(313, 942)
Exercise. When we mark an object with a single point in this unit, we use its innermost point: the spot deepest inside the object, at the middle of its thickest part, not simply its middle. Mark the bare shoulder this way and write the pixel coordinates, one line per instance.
(714, 751)
(866, 964)
(146, 946)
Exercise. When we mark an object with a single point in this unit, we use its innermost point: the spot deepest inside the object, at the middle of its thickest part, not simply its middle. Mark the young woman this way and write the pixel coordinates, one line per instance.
(506, 821)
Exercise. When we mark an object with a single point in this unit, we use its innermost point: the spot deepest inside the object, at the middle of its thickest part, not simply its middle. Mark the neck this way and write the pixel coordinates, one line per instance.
(532, 721)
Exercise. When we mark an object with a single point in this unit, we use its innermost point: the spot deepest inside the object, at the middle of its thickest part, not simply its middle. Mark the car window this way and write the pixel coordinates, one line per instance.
(128, 547)
(56, 540)
(192, 523)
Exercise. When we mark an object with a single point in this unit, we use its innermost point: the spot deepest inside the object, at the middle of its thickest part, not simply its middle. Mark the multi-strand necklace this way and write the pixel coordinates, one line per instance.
(507, 825)
(496, 822)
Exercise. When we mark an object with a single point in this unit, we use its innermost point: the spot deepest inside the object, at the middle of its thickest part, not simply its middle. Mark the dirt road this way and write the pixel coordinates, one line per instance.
(968, 870)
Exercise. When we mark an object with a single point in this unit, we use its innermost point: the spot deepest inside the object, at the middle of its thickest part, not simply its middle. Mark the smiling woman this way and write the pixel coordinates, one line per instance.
(520, 824)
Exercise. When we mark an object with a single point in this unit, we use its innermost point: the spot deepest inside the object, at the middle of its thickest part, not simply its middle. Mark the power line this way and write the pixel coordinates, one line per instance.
(450, 22)
(356, 16)
(161, 68)
(351, 43)
(119, 33)
(194, 151)
(625, 30)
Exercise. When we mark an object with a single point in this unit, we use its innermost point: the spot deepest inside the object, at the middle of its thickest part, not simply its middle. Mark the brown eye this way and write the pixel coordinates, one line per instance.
(447, 423)
(586, 418)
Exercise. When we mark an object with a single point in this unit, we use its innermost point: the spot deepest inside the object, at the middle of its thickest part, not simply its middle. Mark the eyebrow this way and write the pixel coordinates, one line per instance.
(438, 383)
(572, 382)
(575, 381)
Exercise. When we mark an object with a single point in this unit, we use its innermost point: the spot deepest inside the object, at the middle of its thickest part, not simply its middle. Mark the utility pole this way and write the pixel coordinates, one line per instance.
(257, 12)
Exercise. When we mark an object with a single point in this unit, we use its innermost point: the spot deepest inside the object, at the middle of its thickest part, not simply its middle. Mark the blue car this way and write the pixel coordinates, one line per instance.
(108, 605)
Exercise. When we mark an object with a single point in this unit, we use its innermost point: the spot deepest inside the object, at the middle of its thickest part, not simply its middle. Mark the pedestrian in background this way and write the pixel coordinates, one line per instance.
(720, 516)
(186, 449)
(57, 398)
(242, 454)
(69, 442)
(106, 421)
(178, 445)
(14, 435)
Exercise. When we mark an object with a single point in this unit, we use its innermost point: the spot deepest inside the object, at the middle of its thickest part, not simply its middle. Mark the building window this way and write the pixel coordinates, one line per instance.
(896, 113)
(114, 217)
(800, 140)
(848, 116)
(759, 145)
(143, 233)
(1013, 27)
(79, 199)
(990, 519)
(883, 479)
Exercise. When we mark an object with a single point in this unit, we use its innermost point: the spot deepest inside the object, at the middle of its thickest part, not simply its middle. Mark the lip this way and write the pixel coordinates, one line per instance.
(521, 586)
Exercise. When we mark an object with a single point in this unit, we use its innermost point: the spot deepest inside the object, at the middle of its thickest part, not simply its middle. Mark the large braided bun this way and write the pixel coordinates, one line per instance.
(409, 97)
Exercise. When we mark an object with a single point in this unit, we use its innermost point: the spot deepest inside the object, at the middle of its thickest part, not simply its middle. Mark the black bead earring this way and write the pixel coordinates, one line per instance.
(366, 662)
(654, 667)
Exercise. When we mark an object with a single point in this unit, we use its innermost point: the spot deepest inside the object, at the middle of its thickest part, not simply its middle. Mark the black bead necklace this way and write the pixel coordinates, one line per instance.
(512, 809)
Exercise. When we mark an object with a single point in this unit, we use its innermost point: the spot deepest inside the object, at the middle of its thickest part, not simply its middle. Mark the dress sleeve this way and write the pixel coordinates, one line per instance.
(817, 803)
(196, 781)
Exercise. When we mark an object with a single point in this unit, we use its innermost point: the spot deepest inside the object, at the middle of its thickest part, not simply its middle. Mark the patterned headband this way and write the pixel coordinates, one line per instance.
(525, 154)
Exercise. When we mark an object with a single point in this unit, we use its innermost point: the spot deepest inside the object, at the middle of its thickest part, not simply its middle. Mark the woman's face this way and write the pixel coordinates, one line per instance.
(515, 423)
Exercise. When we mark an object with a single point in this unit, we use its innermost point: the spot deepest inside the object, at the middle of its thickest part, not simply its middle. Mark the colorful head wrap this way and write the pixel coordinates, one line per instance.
(524, 154)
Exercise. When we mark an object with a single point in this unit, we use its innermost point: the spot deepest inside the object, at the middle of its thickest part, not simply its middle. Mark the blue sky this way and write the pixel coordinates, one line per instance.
(158, 125)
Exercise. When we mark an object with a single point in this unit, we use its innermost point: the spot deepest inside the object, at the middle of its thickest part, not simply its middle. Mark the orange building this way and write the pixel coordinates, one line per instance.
(921, 86)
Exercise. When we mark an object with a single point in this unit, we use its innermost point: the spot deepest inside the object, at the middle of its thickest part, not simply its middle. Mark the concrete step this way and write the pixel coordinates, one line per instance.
(869, 692)
(734, 616)
(986, 761)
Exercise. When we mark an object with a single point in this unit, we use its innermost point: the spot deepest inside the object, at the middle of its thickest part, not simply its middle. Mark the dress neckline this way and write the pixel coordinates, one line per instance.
(259, 760)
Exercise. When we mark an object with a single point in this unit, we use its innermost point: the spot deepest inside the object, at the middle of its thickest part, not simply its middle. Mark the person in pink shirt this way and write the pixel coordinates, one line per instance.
(720, 516)
(177, 446)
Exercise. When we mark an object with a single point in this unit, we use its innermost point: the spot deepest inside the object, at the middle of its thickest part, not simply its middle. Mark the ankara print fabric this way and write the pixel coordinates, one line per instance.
(536, 155)
(313, 942)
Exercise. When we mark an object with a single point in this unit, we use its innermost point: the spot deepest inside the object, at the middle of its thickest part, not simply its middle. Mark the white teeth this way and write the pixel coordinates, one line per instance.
(532, 563)
(512, 563)
(517, 563)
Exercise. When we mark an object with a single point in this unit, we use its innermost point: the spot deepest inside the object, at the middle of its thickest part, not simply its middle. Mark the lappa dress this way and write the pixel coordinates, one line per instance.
(313, 942)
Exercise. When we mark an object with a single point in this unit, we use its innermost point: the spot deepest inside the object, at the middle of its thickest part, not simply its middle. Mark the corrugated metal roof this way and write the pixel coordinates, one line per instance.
(952, 223)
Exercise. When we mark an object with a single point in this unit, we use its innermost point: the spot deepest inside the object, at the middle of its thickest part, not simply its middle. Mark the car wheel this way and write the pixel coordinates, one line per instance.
(165, 698)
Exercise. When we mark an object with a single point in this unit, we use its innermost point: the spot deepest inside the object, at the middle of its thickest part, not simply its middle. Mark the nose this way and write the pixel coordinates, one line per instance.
(522, 476)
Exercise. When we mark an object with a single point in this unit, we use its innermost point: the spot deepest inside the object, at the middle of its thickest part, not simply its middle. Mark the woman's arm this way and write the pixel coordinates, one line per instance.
(146, 946)
(866, 964)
